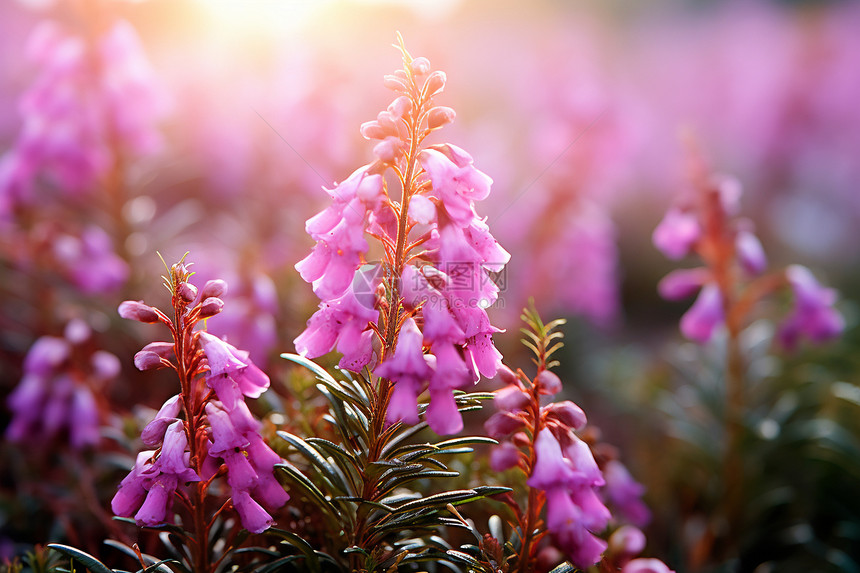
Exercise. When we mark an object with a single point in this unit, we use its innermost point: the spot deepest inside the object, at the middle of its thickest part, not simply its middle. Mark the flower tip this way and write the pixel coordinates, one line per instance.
(137, 310)
(435, 83)
(187, 291)
(548, 383)
(420, 66)
(440, 116)
(211, 306)
(214, 288)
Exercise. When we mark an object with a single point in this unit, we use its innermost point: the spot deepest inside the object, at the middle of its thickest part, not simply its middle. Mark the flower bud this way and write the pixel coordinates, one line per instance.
(521, 440)
(627, 540)
(750, 252)
(502, 424)
(137, 310)
(105, 365)
(216, 287)
(372, 130)
(400, 107)
(435, 83)
(211, 306)
(163, 349)
(504, 457)
(682, 283)
(145, 360)
(508, 376)
(511, 399)
(187, 291)
(394, 83)
(420, 66)
(77, 331)
(568, 414)
(388, 149)
(387, 121)
(440, 116)
(548, 383)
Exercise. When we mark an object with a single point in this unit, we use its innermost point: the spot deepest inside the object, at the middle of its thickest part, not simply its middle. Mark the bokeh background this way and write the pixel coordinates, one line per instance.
(235, 114)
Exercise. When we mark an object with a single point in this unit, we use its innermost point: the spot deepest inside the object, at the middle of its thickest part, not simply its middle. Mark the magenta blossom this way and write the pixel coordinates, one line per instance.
(231, 372)
(344, 322)
(56, 396)
(813, 316)
(624, 494)
(574, 512)
(677, 233)
(409, 371)
(702, 319)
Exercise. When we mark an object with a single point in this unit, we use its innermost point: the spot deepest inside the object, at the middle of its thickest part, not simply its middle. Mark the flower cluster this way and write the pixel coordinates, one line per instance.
(56, 394)
(216, 434)
(91, 100)
(707, 224)
(432, 299)
(542, 441)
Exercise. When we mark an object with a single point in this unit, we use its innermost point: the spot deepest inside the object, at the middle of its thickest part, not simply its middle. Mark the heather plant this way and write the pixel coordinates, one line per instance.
(201, 434)
(744, 415)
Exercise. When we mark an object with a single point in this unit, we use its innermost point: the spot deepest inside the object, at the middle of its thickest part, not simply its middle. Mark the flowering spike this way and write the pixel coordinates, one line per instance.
(439, 189)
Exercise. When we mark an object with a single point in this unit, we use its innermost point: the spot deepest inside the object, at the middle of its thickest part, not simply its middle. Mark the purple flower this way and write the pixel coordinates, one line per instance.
(254, 518)
(250, 463)
(573, 509)
(46, 355)
(551, 468)
(174, 456)
(567, 414)
(55, 397)
(225, 438)
(421, 209)
(682, 283)
(153, 433)
(750, 253)
(503, 424)
(548, 383)
(90, 100)
(84, 431)
(625, 494)
(565, 524)
(813, 316)
(159, 501)
(231, 372)
(132, 492)
(504, 456)
(339, 232)
(90, 261)
(627, 541)
(158, 480)
(456, 183)
(511, 399)
(26, 402)
(137, 310)
(407, 367)
(342, 321)
(677, 233)
(706, 314)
